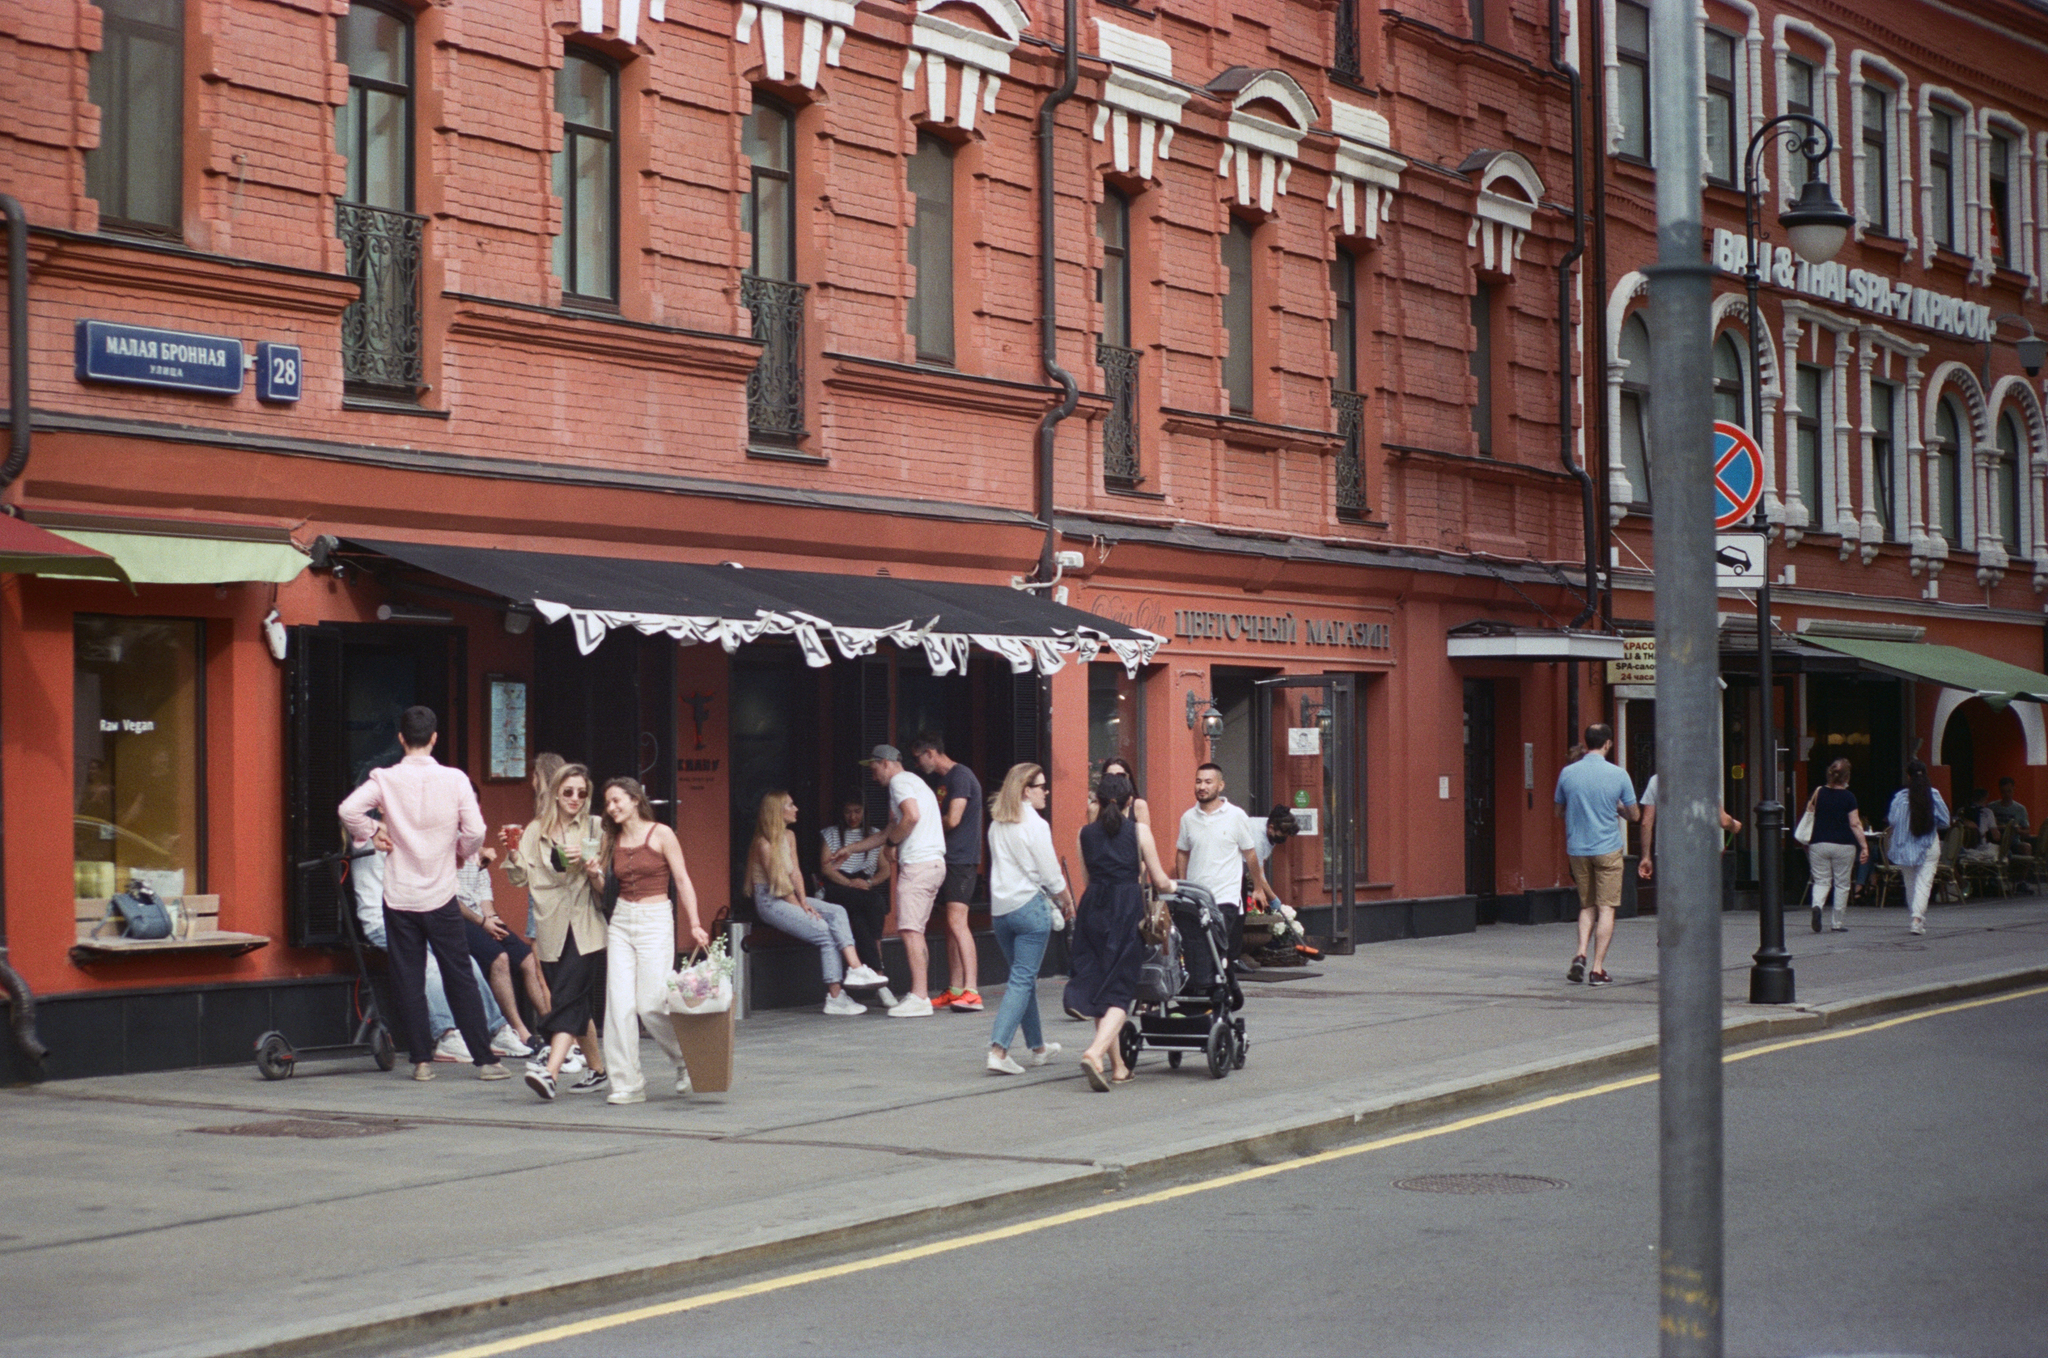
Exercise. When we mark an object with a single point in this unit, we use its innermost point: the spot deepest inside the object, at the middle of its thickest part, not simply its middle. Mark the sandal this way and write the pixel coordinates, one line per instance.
(1097, 1081)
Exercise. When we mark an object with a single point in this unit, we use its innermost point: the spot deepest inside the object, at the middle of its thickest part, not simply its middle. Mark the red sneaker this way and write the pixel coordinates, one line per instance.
(966, 1001)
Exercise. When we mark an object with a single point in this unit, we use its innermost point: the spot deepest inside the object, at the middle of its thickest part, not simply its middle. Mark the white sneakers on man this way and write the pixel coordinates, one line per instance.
(505, 1042)
(451, 1047)
(864, 977)
(844, 1004)
(911, 1006)
(1919, 926)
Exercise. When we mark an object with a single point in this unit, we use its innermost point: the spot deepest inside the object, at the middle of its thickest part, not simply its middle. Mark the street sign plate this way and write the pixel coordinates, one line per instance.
(1738, 474)
(1739, 560)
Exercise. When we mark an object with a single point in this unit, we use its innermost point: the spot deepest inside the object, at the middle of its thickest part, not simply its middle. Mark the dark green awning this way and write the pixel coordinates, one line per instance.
(1950, 666)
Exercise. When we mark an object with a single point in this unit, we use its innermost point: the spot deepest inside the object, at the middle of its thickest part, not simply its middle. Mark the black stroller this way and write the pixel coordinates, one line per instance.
(1187, 998)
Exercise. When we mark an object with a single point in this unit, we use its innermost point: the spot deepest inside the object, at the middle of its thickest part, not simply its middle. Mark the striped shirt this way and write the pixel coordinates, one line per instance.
(860, 864)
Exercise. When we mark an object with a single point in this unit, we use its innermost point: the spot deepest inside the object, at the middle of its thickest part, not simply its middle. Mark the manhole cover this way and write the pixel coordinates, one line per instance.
(1479, 1183)
(308, 1129)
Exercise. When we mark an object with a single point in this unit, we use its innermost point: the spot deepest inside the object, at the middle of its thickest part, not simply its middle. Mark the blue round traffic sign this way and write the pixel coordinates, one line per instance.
(1738, 475)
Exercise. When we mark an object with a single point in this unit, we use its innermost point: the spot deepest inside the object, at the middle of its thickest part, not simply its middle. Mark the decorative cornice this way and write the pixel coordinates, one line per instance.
(944, 387)
(135, 269)
(824, 32)
(1138, 85)
(984, 57)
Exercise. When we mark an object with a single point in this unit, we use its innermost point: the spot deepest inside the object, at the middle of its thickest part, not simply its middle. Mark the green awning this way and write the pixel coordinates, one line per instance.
(152, 559)
(1950, 666)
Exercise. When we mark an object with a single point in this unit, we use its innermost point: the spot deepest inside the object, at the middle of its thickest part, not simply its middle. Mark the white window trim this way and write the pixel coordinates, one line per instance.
(2018, 390)
(1802, 321)
(1962, 168)
(1620, 494)
(1899, 191)
(1610, 60)
(1824, 106)
(2019, 174)
(1749, 79)
(1138, 87)
(1973, 467)
(1908, 455)
(824, 25)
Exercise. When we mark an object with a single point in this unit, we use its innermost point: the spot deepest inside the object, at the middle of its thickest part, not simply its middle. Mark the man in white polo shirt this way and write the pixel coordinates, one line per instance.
(1218, 845)
(918, 830)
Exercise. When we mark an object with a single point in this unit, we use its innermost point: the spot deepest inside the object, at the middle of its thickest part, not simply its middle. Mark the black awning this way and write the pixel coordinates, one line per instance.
(733, 605)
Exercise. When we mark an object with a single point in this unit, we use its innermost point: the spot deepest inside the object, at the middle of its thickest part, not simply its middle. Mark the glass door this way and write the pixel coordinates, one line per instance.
(1305, 758)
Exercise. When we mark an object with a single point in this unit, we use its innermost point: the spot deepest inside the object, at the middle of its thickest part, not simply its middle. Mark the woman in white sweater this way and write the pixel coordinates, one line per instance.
(1025, 886)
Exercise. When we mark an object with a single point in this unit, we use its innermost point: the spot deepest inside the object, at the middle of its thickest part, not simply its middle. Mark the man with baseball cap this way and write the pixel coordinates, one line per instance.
(917, 830)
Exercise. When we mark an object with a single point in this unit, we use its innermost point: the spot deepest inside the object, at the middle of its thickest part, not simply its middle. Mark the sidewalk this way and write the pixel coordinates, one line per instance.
(125, 1232)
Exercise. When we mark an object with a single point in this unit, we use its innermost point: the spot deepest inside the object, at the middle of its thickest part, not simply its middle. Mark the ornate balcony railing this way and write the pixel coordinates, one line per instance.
(1344, 61)
(1350, 408)
(1120, 426)
(380, 331)
(775, 389)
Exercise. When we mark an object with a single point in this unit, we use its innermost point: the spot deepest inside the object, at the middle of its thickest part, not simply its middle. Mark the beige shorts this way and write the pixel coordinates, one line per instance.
(1598, 879)
(917, 890)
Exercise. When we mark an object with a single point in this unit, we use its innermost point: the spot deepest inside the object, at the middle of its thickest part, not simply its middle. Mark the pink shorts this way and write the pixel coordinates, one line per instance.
(917, 890)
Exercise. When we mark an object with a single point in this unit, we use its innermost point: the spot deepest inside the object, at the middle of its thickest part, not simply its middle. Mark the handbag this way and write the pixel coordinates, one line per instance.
(1162, 975)
(1803, 832)
(142, 915)
(1157, 927)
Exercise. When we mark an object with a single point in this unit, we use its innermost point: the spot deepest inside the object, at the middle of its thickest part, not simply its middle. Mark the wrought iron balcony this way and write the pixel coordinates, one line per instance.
(380, 331)
(1120, 427)
(1344, 61)
(1350, 408)
(775, 389)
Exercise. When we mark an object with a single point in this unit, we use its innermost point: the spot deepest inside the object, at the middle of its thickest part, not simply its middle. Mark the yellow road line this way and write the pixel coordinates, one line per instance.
(784, 1282)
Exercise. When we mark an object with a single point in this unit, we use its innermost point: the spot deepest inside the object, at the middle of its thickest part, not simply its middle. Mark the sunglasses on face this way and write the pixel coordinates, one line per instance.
(1036, 787)
(574, 794)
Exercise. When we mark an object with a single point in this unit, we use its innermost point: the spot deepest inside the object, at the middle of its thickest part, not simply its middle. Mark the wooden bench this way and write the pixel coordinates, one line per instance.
(197, 932)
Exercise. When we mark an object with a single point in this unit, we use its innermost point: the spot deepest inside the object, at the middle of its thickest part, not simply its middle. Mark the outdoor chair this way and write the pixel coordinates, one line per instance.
(1985, 872)
(1884, 874)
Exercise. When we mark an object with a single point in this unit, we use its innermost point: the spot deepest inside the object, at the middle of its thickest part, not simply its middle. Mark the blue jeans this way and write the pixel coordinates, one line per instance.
(1022, 935)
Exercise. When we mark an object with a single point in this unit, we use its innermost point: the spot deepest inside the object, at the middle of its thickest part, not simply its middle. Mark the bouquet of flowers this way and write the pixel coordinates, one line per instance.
(703, 986)
(1287, 930)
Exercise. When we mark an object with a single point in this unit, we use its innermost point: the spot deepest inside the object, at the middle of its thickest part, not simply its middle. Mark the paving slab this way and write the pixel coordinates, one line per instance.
(135, 1225)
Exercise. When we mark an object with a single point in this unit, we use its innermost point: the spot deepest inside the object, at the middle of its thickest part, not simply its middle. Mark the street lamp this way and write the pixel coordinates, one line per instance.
(1817, 227)
(2033, 350)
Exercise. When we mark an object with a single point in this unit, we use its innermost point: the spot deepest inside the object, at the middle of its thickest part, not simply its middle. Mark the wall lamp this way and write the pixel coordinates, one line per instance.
(518, 619)
(1203, 711)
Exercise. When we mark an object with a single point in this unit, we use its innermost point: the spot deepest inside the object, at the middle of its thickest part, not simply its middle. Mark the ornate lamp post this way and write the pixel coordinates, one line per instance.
(1817, 227)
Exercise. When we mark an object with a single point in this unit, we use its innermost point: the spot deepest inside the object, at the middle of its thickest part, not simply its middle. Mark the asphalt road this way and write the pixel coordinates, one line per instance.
(1887, 1192)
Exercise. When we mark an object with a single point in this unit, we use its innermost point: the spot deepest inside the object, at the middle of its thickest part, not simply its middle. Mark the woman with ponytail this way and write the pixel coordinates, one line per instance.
(1917, 818)
(1107, 951)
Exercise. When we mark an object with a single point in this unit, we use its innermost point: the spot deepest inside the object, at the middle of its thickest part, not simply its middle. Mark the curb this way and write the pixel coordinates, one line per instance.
(376, 1333)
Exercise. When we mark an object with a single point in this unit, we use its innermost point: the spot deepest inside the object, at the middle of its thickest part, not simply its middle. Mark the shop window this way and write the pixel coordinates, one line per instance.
(1720, 165)
(1875, 188)
(137, 79)
(931, 248)
(1237, 316)
(1883, 401)
(1633, 444)
(1800, 82)
(1728, 386)
(2006, 482)
(1116, 719)
(1941, 181)
(138, 755)
(1998, 194)
(1632, 93)
(587, 177)
(1812, 445)
(1948, 464)
(380, 331)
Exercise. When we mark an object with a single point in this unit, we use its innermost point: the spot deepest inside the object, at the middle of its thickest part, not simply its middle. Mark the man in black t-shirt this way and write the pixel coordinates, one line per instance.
(960, 799)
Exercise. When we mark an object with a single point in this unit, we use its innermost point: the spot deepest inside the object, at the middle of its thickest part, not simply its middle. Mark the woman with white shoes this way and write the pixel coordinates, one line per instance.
(1025, 888)
(645, 863)
(547, 858)
(1913, 829)
(778, 892)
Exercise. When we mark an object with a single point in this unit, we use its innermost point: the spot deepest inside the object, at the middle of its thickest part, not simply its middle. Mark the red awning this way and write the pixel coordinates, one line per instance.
(28, 550)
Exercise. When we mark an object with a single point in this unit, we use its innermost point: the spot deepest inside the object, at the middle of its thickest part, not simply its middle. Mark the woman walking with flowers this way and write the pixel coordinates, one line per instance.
(646, 863)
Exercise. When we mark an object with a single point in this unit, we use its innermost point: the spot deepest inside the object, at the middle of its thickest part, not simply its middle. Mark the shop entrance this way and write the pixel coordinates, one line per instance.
(1305, 738)
(1479, 788)
(345, 686)
(613, 711)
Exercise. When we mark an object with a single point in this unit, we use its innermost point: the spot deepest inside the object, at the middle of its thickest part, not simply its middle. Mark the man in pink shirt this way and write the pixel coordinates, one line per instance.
(431, 823)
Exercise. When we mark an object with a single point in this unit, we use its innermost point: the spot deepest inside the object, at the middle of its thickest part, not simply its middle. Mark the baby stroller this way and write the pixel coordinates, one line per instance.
(1187, 998)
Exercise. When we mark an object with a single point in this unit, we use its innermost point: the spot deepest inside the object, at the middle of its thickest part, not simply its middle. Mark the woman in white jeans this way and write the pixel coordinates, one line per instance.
(1913, 839)
(778, 893)
(1837, 845)
(640, 941)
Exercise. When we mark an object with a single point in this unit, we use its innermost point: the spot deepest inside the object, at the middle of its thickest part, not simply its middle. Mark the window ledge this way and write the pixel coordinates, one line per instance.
(218, 943)
(770, 453)
(1133, 493)
(391, 407)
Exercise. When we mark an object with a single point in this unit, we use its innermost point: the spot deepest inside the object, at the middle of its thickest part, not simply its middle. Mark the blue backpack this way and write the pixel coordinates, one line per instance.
(142, 915)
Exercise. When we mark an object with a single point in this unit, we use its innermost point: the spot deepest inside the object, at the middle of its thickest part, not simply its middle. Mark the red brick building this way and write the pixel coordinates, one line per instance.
(581, 301)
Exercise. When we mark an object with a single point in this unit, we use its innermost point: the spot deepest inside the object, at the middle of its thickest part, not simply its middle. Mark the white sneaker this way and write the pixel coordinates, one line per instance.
(451, 1047)
(505, 1042)
(1001, 1064)
(864, 978)
(844, 1004)
(640, 1097)
(1045, 1053)
(911, 1006)
(1919, 926)
(574, 1061)
(682, 1082)
(886, 998)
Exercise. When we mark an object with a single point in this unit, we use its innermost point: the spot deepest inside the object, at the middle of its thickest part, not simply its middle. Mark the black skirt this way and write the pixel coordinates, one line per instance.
(576, 984)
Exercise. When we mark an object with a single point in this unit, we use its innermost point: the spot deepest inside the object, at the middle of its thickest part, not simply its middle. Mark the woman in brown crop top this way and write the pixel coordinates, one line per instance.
(640, 942)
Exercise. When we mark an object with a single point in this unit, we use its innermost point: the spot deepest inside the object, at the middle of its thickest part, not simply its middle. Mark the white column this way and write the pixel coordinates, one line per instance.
(1873, 524)
(1795, 518)
(1842, 513)
(1917, 519)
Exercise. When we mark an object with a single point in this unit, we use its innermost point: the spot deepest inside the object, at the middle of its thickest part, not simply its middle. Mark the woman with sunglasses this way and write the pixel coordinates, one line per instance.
(1025, 886)
(548, 858)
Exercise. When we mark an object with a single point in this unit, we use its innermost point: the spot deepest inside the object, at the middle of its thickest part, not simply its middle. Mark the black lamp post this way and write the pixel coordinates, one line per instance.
(1817, 227)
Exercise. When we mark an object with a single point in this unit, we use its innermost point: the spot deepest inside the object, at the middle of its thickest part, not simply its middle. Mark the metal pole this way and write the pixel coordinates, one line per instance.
(1688, 804)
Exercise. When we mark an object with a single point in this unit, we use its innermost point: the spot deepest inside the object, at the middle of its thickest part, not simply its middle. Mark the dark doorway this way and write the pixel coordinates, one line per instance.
(1243, 771)
(1861, 719)
(1959, 752)
(613, 710)
(1479, 788)
(775, 745)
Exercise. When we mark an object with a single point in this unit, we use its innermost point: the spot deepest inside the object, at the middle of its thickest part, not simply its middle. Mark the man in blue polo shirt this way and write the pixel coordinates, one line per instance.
(1593, 797)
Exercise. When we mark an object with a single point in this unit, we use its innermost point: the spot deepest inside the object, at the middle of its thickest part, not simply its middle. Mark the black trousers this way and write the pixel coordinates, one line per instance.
(866, 908)
(408, 934)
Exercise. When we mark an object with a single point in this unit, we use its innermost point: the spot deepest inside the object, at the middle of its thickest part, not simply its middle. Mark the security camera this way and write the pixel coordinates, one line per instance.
(1069, 561)
(274, 634)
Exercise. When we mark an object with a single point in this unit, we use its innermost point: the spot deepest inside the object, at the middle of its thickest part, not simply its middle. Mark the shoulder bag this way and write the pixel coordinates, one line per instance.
(1803, 832)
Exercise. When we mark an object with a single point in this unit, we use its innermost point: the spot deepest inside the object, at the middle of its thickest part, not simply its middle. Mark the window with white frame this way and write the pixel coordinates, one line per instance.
(1721, 138)
(1941, 176)
(1883, 402)
(1811, 445)
(1801, 83)
(1633, 443)
(1632, 96)
(1998, 197)
(1875, 190)
(1948, 453)
(2007, 478)
(1729, 404)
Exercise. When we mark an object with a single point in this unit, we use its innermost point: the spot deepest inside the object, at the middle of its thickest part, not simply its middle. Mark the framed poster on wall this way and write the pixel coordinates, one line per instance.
(505, 704)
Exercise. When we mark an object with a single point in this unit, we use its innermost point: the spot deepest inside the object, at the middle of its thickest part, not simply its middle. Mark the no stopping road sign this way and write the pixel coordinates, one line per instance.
(1738, 475)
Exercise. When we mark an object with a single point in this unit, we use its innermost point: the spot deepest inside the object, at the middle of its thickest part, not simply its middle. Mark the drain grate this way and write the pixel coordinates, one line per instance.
(306, 1129)
(1469, 1184)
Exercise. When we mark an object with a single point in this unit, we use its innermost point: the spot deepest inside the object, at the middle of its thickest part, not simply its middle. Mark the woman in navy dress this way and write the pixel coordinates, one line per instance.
(1107, 951)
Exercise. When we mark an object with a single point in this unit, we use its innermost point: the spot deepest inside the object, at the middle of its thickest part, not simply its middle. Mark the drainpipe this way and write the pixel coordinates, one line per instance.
(21, 1003)
(1589, 508)
(1596, 41)
(1048, 297)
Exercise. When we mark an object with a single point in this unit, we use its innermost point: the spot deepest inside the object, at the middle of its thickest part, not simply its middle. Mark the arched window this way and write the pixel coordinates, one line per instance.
(1948, 452)
(1633, 443)
(1729, 404)
(2007, 480)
